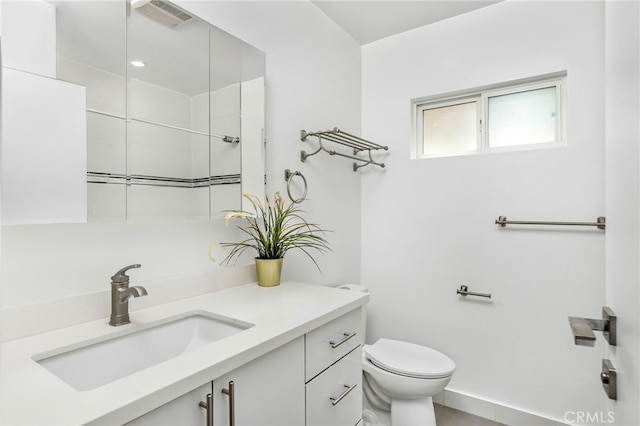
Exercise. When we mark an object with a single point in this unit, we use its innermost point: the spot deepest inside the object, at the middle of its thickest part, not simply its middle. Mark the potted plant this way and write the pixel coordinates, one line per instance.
(273, 230)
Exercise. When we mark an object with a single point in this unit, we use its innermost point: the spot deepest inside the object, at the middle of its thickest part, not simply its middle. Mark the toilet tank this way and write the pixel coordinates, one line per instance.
(363, 289)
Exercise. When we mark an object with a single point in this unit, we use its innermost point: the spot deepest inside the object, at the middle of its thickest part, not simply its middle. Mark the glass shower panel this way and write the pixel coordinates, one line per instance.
(228, 57)
(106, 167)
(523, 118)
(158, 151)
(168, 169)
(91, 52)
(225, 157)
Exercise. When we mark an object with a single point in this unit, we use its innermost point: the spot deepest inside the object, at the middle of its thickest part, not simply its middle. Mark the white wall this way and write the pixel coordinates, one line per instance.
(428, 225)
(1, 63)
(313, 83)
(44, 149)
(623, 200)
(313, 75)
(31, 37)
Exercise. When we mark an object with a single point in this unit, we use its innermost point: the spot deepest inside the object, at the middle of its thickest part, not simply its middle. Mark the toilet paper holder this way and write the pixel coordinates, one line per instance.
(464, 291)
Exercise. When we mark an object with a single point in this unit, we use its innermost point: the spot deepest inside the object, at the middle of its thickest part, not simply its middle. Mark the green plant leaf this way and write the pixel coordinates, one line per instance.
(274, 229)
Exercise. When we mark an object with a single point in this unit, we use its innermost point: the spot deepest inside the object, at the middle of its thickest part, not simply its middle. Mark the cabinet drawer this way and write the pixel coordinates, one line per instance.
(327, 344)
(333, 383)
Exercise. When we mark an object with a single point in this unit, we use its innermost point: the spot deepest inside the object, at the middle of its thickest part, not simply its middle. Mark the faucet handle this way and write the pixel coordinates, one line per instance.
(120, 276)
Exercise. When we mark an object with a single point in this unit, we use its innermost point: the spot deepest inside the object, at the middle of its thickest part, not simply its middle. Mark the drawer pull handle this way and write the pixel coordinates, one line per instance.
(232, 402)
(346, 337)
(336, 400)
(209, 407)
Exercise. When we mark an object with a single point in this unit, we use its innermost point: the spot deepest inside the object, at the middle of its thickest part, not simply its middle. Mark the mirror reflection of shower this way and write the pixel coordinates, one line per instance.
(165, 97)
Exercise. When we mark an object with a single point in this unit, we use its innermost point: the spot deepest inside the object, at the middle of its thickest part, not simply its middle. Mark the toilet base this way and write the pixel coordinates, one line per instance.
(374, 416)
(413, 412)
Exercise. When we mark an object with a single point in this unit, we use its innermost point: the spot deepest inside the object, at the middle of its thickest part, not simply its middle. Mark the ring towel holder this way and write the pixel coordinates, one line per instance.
(288, 176)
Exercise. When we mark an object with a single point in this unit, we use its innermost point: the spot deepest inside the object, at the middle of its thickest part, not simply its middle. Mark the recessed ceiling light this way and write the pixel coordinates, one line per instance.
(138, 64)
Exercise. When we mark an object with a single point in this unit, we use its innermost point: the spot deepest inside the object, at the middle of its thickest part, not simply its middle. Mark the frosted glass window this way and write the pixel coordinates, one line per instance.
(518, 115)
(528, 117)
(450, 129)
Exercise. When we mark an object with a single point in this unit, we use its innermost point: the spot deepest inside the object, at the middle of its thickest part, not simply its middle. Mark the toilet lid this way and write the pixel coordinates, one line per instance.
(409, 359)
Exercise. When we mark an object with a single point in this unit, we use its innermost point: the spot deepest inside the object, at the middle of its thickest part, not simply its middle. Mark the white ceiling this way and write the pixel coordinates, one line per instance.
(93, 23)
(371, 20)
(95, 33)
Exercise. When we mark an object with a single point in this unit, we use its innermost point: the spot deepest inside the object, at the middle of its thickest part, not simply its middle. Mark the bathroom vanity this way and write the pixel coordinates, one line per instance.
(294, 360)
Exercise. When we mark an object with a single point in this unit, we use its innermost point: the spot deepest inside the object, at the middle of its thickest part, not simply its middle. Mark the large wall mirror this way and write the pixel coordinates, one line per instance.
(160, 113)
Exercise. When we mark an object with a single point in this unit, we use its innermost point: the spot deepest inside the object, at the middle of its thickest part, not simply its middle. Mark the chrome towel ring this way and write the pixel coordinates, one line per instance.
(288, 176)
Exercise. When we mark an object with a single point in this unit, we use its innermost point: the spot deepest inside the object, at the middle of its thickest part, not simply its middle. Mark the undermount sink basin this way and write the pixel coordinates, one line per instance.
(99, 363)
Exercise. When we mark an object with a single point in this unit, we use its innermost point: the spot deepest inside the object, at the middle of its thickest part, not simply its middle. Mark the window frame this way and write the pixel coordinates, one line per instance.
(481, 96)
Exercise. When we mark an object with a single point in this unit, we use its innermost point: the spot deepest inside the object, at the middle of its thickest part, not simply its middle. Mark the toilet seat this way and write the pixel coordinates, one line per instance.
(409, 359)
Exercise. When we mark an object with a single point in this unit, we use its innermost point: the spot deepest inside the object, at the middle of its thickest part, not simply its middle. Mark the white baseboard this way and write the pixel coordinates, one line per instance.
(492, 411)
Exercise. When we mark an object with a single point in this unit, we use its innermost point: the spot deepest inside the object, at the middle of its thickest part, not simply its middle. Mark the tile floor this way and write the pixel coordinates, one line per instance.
(446, 416)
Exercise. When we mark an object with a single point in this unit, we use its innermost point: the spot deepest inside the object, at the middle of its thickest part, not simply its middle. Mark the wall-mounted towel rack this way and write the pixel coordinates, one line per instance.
(345, 139)
(502, 221)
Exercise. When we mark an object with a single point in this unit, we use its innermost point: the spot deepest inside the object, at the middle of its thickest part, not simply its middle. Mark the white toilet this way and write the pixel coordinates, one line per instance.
(401, 378)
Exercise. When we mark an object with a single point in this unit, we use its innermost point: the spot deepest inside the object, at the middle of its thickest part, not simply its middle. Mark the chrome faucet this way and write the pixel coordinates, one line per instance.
(120, 295)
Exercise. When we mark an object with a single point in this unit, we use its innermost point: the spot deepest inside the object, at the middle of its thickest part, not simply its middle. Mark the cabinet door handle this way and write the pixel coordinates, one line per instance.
(209, 407)
(346, 337)
(335, 400)
(232, 402)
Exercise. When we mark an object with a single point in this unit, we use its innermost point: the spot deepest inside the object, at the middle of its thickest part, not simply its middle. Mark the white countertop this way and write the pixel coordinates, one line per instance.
(31, 395)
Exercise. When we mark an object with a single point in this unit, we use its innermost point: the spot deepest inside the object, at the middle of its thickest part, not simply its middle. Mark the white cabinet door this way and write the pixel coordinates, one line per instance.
(183, 411)
(268, 391)
(335, 396)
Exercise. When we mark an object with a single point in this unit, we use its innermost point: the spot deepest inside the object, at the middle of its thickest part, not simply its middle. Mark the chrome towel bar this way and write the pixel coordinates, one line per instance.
(464, 291)
(224, 138)
(502, 221)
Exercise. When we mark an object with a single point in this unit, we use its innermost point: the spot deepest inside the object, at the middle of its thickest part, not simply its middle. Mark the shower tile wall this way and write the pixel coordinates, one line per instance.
(154, 150)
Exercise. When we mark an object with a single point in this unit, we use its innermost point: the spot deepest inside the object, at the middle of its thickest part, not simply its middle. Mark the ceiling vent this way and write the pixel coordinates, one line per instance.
(162, 12)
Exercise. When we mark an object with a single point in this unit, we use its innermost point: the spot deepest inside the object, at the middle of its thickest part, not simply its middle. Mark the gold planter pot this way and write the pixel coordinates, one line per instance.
(268, 271)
